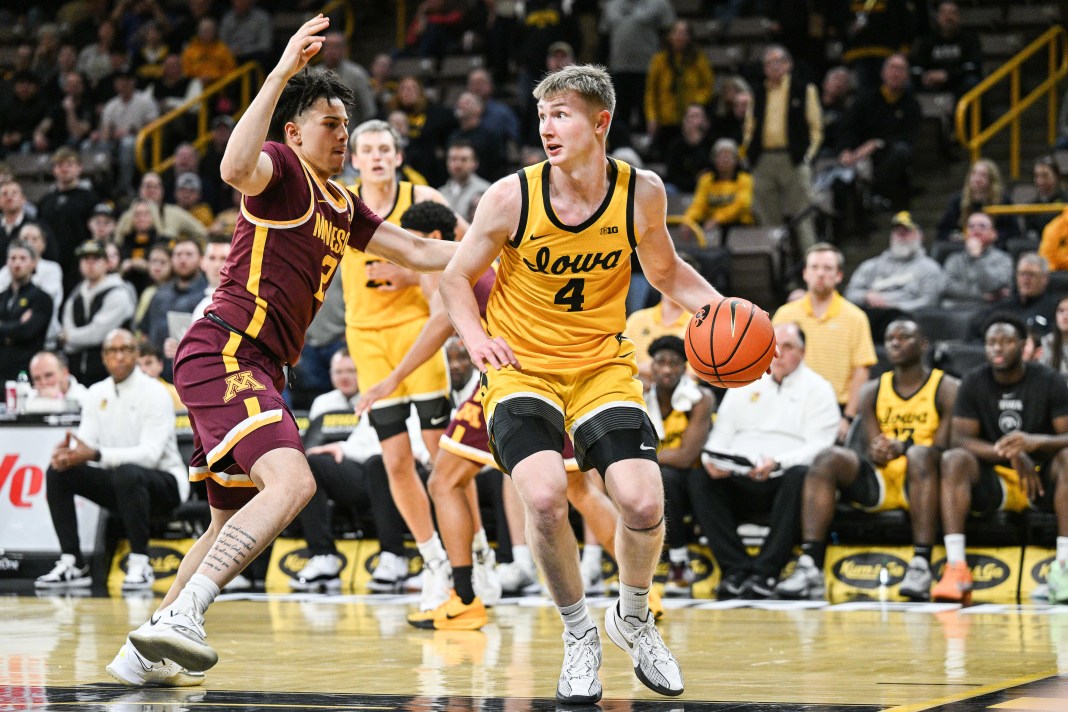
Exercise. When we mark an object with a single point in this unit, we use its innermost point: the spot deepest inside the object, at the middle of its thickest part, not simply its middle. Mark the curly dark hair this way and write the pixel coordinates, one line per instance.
(301, 91)
(428, 216)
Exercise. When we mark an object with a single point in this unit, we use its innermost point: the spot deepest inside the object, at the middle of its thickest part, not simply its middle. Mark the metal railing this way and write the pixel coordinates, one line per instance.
(973, 136)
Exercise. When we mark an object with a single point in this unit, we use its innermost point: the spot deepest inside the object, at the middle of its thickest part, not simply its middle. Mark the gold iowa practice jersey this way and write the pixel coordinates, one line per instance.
(561, 290)
(916, 417)
(367, 306)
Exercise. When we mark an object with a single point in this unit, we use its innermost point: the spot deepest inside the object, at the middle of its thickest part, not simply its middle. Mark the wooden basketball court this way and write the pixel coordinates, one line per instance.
(309, 652)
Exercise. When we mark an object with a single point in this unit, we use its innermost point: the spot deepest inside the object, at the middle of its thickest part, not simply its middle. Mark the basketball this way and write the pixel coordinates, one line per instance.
(730, 343)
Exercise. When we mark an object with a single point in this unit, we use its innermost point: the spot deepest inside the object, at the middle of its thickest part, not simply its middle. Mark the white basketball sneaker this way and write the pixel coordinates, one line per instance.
(653, 663)
(579, 684)
(132, 669)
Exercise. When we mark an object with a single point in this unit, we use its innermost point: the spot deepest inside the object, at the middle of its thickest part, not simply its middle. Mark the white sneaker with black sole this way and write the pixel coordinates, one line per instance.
(805, 583)
(653, 663)
(516, 580)
(132, 669)
(389, 573)
(321, 573)
(65, 574)
(176, 635)
(437, 584)
(484, 577)
(139, 573)
(579, 684)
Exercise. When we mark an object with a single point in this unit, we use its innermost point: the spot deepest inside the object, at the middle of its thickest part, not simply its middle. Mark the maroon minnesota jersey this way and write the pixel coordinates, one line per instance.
(287, 245)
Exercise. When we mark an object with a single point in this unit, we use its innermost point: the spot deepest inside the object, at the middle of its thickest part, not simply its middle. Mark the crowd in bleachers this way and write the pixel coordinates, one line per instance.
(749, 121)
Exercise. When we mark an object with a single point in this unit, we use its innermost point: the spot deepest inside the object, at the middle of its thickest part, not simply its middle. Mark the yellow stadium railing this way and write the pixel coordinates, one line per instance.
(151, 136)
(970, 132)
(1025, 209)
(680, 238)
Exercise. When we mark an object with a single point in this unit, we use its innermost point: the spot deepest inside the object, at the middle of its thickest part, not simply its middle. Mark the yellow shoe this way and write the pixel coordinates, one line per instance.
(452, 615)
(656, 604)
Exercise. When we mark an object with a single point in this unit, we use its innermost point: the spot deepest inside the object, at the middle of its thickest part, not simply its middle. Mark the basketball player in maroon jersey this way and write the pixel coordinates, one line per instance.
(294, 226)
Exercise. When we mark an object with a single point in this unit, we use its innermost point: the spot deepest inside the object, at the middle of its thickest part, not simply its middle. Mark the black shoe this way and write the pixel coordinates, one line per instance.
(758, 587)
(731, 586)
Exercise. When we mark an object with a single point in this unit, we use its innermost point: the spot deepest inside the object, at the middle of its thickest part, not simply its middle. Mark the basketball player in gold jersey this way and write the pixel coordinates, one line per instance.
(905, 421)
(385, 309)
(554, 358)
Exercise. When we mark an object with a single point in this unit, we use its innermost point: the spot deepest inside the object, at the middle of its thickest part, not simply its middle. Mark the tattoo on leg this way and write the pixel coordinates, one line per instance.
(231, 550)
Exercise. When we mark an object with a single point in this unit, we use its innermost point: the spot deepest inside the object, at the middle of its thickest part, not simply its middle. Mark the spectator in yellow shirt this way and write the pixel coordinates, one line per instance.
(206, 57)
(724, 196)
(1054, 245)
(679, 75)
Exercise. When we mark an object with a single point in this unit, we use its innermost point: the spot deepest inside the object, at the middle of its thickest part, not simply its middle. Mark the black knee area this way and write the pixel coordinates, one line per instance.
(433, 414)
(521, 427)
(987, 494)
(390, 421)
(613, 435)
(865, 488)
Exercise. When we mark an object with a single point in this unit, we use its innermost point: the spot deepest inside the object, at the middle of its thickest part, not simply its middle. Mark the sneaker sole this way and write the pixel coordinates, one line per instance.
(332, 586)
(186, 679)
(187, 653)
(383, 586)
(617, 637)
(578, 699)
(86, 583)
(917, 596)
(965, 599)
(453, 624)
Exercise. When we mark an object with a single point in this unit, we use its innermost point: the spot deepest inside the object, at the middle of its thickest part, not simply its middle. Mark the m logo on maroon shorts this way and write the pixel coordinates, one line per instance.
(241, 381)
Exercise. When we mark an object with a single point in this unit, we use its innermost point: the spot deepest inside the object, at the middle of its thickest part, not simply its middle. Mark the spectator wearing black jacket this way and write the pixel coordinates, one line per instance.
(25, 312)
(66, 210)
(950, 58)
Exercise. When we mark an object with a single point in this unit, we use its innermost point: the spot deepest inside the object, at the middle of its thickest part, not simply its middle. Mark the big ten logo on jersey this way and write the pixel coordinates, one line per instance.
(334, 237)
(995, 572)
(610, 230)
(165, 555)
(24, 482)
(1037, 561)
(865, 573)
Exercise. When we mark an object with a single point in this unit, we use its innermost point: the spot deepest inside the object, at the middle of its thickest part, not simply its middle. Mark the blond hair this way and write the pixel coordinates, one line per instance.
(374, 126)
(590, 81)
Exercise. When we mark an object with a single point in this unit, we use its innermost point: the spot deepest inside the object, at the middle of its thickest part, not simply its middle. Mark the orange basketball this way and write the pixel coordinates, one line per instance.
(730, 343)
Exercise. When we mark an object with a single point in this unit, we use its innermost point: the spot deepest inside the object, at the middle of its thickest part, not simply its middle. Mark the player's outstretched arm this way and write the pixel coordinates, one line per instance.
(244, 166)
(405, 249)
(663, 267)
(496, 219)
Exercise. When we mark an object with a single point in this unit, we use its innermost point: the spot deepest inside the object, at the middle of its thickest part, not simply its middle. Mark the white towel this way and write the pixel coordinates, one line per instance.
(686, 395)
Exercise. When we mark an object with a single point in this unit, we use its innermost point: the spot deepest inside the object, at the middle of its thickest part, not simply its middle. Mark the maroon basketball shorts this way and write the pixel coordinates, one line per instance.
(234, 396)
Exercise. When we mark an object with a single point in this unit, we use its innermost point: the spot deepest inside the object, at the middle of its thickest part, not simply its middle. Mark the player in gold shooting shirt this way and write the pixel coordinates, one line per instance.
(555, 359)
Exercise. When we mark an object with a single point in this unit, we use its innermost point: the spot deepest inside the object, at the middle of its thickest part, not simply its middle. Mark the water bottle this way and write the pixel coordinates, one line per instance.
(22, 392)
(884, 582)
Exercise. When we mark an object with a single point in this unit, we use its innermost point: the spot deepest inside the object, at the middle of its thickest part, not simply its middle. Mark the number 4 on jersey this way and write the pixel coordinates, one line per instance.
(571, 294)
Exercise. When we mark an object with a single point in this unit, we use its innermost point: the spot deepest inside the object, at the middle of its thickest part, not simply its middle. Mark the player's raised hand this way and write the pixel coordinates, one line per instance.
(303, 45)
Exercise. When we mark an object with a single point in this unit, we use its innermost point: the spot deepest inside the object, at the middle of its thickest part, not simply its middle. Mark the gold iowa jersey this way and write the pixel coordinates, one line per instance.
(674, 427)
(916, 417)
(561, 289)
(366, 306)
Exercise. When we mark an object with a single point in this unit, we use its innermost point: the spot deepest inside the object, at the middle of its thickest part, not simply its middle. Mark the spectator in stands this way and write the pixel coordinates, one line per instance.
(681, 412)
(644, 326)
(159, 272)
(981, 274)
(546, 28)
(171, 89)
(836, 101)
(101, 222)
(899, 279)
(882, 126)
(98, 304)
(130, 16)
(94, 60)
(777, 425)
(25, 312)
(66, 209)
(13, 213)
(123, 116)
(982, 187)
(950, 58)
(633, 29)
(335, 54)
(181, 293)
(248, 31)
(1009, 434)
(349, 473)
(489, 146)
(464, 187)
(1031, 301)
(382, 82)
(186, 160)
(69, 122)
(496, 115)
(435, 29)
(187, 196)
(169, 219)
(892, 464)
(1053, 349)
(728, 110)
(429, 127)
(679, 75)
(150, 361)
(47, 275)
(206, 57)
(783, 132)
(134, 242)
(724, 195)
(55, 389)
(216, 252)
(1054, 245)
(870, 32)
(21, 112)
(216, 193)
(147, 58)
(838, 337)
(324, 338)
(689, 153)
(1048, 189)
(125, 458)
(559, 55)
